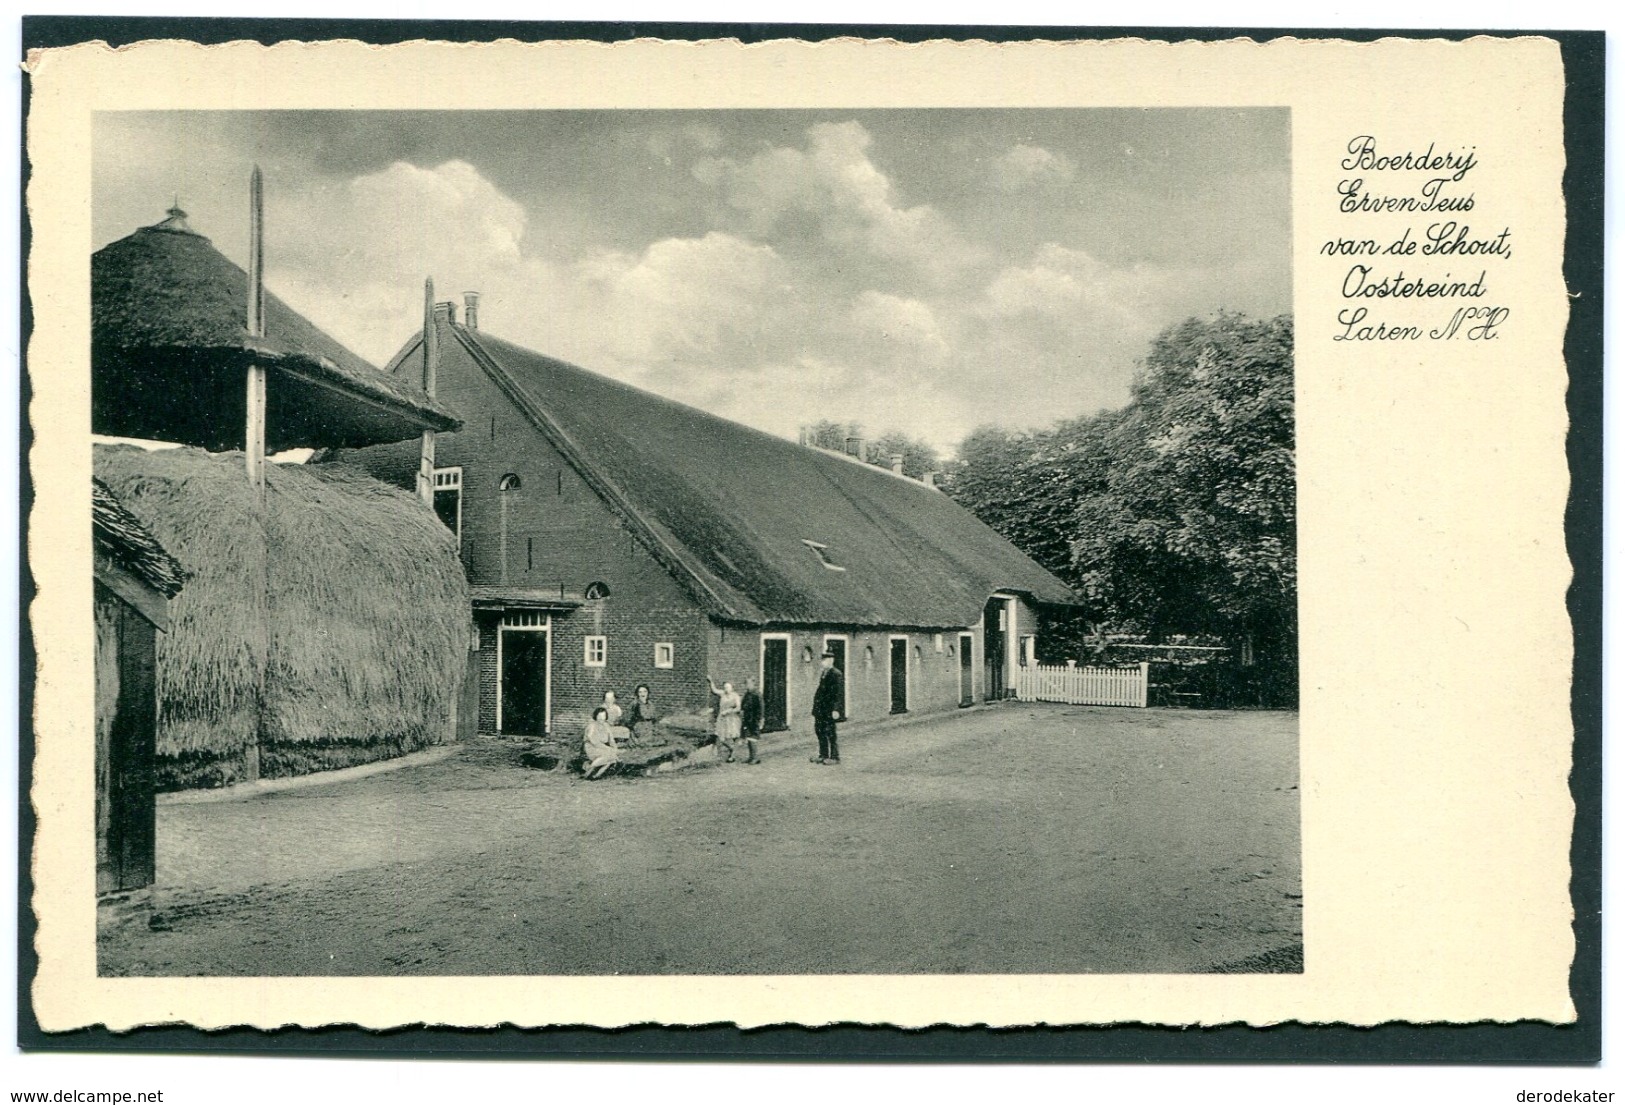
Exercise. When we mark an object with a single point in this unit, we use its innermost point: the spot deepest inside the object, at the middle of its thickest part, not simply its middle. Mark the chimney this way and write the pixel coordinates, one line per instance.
(854, 442)
(897, 464)
(471, 310)
(445, 311)
(929, 479)
(801, 434)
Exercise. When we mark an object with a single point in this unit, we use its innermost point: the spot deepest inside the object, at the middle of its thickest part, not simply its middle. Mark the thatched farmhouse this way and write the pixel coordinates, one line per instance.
(326, 622)
(614, 538)
(135, 579)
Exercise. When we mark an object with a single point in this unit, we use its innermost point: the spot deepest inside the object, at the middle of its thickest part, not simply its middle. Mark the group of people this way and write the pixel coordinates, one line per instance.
(611, 728)
(738, 716)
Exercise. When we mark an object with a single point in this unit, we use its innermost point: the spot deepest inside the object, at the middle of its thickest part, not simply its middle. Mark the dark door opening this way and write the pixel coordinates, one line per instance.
(524, 683)
(837, 645)
(899, 676)
(132, 832)
(967, 670)
(994, 643)
(775, 684)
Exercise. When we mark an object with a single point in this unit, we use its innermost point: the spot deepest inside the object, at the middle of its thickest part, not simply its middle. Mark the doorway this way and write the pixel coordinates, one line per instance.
(775, 683)
(967, 670)
(522, 705)
(837, 646)
(899, 675)
(995, 643)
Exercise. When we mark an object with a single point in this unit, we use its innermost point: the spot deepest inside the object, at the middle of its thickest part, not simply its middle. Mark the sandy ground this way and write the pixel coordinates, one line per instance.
(1020, 838)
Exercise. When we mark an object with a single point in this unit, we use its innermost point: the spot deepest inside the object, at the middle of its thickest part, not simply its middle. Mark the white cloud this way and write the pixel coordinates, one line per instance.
(1026, 166)
(854, 204)
(908, 323)
(352, 254)
(681, 297)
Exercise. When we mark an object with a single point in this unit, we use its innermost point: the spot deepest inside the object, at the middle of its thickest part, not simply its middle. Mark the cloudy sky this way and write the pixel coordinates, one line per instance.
(927, 271)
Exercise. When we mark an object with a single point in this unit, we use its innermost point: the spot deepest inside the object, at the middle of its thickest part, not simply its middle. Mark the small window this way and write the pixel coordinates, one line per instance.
(807, 654)
(448, 499)
(598, 590)
(936, 641)
(868, 656)
(594, 651)
(919, 653)
(822, 552)
(510, 482)
(950, 652)
(663, 654)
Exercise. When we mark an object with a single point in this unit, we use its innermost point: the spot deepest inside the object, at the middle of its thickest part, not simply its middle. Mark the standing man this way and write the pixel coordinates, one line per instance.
(827, 700)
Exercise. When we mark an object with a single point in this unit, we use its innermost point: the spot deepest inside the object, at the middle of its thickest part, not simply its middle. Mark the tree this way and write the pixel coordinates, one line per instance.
(1195, 528)
(918, 457)
(1175, 514)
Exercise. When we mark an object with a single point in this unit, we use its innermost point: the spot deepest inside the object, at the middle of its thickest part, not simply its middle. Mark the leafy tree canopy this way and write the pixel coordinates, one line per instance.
(1175, 514)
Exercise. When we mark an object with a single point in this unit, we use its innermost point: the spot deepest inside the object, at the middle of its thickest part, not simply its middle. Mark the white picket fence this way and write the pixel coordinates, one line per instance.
(1083, 686)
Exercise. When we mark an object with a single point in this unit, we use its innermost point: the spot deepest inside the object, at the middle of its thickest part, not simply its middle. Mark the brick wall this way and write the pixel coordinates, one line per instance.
(933, 676)
(553, 533)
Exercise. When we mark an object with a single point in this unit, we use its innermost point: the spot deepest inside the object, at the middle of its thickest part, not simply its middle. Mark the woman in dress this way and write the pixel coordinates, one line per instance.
(728, 719)
(641, 715)
(598, 746)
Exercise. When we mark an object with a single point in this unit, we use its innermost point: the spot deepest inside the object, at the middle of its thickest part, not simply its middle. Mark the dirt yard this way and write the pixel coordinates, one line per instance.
(1021, 838)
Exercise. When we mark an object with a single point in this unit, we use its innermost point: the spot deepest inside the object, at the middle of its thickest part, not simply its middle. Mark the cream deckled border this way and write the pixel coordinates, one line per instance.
(1436, 647)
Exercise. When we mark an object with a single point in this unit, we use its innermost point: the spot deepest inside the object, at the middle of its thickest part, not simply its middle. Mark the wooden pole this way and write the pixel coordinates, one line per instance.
(254, 431)
(254, 448)
(431, 368)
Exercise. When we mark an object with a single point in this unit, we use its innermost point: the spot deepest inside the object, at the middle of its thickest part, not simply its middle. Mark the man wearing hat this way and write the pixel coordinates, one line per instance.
(827, 702)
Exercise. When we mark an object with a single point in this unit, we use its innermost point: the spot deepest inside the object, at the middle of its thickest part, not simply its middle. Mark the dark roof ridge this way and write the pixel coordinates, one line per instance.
(645, 394)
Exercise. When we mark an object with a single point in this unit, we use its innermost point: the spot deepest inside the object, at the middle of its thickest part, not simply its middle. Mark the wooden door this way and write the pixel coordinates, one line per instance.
(524, 682)
(133, 809)
(899, 676)
(967, 670)
(994, 638)
(775, 684)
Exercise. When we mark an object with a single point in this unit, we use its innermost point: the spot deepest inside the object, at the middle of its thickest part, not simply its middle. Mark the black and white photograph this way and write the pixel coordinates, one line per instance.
(695, 542)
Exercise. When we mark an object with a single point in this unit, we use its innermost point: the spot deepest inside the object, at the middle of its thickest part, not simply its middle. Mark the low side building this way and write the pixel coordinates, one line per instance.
(135, 579)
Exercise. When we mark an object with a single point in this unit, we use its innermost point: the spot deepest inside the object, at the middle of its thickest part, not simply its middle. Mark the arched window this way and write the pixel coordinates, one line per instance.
(868, 656)
(597, 590)
(807, 654)
(510, 482)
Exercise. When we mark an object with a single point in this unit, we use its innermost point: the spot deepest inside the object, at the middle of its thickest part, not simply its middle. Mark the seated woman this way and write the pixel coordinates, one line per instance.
(598, 748)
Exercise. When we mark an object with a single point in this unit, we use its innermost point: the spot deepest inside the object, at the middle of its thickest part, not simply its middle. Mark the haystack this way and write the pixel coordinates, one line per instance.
(360, 632)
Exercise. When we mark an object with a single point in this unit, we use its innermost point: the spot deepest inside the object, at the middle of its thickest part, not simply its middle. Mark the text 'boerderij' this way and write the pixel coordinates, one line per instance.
(1442, 260)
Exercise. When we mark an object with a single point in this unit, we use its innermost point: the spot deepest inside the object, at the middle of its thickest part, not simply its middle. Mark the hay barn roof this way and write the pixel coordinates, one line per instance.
(129, 544)
(763, 529)
(169, 342)
(330, 628)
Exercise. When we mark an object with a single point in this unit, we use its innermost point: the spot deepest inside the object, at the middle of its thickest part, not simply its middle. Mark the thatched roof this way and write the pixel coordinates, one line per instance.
(126, 542)
(368, 621)
(737, 513)
(169, 343)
